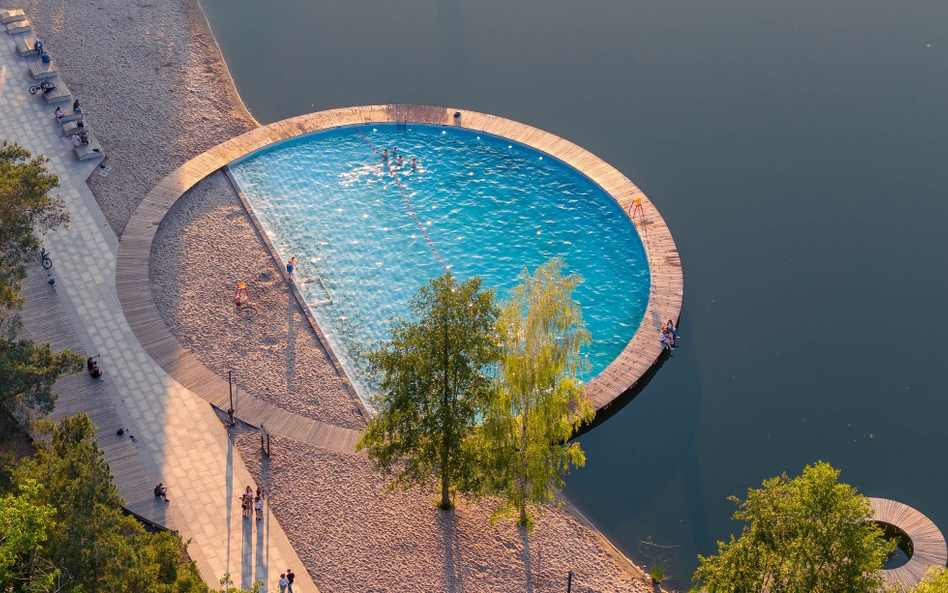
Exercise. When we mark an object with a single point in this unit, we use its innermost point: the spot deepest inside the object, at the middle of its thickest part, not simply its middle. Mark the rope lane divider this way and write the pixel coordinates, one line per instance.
(398, 182)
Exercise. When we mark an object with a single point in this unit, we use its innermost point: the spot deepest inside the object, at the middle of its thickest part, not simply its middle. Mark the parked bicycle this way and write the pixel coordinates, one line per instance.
(44, 257)
(44, 86)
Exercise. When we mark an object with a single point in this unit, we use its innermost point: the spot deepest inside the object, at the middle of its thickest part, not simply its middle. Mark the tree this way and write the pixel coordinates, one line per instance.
(24, 527)
(27, 370)
(434, 386)
(809, 534)
(539, 402)
(96, 547)
(27, 209)
(935, 581)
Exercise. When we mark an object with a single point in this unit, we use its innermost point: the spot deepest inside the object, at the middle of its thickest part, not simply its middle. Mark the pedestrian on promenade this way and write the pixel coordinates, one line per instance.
(247, 501)
(283, 583)
(258, 507)
(260, 492)
(289, 267)
(290, 577)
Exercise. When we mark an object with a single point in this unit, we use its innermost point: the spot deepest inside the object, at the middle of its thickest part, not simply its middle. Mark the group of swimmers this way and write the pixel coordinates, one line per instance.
(398, 158)
(669, 335)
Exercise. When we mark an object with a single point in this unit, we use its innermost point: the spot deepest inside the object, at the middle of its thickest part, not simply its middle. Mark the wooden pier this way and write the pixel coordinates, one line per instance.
(928, 544)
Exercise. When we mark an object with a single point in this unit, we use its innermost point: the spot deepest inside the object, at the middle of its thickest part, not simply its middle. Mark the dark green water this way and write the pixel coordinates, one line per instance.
(797, 151)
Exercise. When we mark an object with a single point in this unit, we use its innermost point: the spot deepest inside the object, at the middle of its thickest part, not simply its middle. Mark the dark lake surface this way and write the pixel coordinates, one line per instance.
(799, 153)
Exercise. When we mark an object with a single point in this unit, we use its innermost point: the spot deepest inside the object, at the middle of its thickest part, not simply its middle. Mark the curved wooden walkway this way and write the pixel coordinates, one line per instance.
(134, 289)
(928, 544)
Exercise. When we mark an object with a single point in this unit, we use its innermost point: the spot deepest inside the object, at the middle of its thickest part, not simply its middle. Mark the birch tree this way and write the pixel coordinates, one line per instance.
(539, 401)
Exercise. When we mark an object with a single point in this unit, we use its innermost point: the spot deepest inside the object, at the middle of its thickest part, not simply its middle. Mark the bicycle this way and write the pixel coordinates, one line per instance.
(44, 86)
(44, 257)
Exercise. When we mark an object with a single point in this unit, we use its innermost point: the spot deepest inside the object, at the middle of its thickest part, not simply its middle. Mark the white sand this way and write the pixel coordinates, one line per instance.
(351, 538)
(204, 246)
(152, 84)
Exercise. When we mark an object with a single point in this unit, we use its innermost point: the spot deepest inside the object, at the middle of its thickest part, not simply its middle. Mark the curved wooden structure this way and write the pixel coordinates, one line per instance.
(928, 544)
(134, 290)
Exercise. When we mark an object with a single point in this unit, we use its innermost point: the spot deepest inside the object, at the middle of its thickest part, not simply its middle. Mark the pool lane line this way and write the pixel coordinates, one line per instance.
(398, 182)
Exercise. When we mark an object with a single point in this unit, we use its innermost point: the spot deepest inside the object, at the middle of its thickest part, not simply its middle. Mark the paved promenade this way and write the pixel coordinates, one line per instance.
(180, 438)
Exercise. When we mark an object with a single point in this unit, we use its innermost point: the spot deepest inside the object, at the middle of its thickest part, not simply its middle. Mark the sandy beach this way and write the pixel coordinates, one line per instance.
(204, 247)
(351, 537)
(152, 84)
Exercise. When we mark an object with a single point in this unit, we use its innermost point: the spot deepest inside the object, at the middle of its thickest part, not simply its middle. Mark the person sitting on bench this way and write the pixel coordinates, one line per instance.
(38, 46)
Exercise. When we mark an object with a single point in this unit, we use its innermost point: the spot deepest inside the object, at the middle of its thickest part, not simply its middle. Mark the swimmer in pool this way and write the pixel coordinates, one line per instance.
(412, 163)
(398, 161)
(384, 154)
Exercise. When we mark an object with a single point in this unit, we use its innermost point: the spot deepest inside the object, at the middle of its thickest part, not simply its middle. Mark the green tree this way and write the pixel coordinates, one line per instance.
(27, 370)
(539, 402)
(24, 525)
(809, 534)
(27, 209)
(98, 548)
(434, 385)
(935, 581)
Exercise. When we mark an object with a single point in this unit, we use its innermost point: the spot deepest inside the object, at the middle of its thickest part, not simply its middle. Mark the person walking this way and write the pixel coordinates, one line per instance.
(290, 265)
(290, 577)
(283, 583)
(258, 507)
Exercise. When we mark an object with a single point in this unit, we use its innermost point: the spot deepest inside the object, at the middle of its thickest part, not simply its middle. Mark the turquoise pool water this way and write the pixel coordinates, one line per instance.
(476, 204)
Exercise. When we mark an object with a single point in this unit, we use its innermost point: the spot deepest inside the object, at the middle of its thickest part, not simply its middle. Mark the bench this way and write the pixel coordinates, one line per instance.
(68, 115)
(23, 26)
(59, 94)
(24, 46)
(41, 70)
(12, 15)
(91, 150)
(72, 126)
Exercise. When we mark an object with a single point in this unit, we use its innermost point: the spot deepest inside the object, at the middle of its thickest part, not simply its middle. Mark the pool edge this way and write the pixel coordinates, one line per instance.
(621, 375)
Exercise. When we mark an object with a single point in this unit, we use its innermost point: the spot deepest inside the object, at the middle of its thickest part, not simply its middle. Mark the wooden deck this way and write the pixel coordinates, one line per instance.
(20, 26)
(45, 320)
(929, 549)
(12, 15)
(92, 150)
(41, 70)
(59, 94)
(134, 289)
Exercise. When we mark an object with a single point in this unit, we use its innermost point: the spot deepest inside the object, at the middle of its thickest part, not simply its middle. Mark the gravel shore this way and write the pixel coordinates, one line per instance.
(152, 83)
(352, 538)
(206, 245)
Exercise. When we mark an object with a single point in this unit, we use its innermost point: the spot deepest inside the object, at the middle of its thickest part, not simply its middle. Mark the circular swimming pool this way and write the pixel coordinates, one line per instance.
(369, 228)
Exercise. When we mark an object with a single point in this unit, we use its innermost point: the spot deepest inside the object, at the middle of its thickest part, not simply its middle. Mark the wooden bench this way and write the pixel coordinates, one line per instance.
(41, 70)
(89, 151)
(68, 115)
(23, 26)
(72, 126)
(59, 94)
(24, 46)
(12, 15)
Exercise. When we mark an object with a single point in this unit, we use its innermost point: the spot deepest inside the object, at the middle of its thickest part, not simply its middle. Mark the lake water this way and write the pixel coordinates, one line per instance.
(797, 152)
(374, 229)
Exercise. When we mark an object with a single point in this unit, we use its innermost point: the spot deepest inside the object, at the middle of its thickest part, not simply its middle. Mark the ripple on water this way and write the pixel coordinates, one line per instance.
(489, 208)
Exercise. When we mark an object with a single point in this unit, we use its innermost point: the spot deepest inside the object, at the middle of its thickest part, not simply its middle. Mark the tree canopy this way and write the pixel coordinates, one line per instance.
(28, 209)
(434, 385)
(27, 370)
(539, 400)
(809, 534)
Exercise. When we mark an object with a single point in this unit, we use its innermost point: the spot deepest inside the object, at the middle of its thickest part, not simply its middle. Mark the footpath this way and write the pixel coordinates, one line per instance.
(180, 441)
